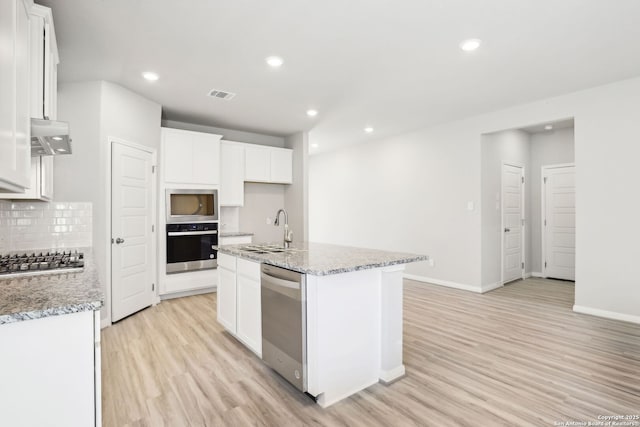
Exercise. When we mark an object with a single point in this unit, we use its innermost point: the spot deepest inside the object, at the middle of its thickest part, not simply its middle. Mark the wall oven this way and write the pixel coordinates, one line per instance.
(191, 205)
(192, 246)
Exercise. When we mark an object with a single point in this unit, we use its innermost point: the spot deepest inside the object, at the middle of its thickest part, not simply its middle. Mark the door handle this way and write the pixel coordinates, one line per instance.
(506, 230)
(119, 240)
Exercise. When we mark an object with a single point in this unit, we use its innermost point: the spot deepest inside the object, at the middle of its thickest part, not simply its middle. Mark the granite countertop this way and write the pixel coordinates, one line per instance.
(321, 259)
(234, 233)
(34, 297)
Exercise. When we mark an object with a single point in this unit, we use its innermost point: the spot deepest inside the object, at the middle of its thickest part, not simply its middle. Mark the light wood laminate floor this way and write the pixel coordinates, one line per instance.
(516, 356)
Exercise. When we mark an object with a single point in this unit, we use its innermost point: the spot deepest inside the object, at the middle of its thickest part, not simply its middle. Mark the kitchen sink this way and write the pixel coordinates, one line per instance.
(268, 249)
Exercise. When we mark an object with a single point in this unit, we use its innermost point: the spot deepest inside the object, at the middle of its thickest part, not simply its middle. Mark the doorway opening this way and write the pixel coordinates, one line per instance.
(515, 203)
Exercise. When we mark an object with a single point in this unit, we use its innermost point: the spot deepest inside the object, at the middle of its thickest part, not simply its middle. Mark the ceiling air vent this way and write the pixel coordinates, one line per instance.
(221, 94)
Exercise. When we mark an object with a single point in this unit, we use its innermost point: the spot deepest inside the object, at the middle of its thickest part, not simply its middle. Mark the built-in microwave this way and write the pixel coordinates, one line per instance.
(191, 205)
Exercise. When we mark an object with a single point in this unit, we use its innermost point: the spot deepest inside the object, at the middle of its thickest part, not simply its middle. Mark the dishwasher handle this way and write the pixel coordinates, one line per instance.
(285, 287)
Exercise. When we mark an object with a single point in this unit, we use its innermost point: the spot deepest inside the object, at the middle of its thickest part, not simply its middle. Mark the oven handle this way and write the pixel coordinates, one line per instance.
(190, 233)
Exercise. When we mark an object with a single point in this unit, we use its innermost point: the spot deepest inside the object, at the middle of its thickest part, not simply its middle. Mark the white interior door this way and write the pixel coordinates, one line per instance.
(131, 222)
(559, 222)
(512, 223)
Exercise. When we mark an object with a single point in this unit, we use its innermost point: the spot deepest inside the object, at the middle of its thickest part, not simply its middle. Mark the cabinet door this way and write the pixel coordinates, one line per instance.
(249, 313)
(7, 81)
(257, 163)
(15, 126)
(178, 156)
(59, 381)
(281, 165)
(23, 80)
(227, 299)
(206, 158)
(231, 174)
(37, 66)
(46, 178)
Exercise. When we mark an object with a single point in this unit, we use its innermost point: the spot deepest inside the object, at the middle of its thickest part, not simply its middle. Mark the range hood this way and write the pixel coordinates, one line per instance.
(49, 138)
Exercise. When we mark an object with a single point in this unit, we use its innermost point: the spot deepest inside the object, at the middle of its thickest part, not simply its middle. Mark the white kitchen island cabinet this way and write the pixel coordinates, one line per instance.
(353, 312)
(239, 300)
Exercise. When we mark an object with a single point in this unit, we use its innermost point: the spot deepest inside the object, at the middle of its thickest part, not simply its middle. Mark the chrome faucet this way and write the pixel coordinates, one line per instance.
(288, 234)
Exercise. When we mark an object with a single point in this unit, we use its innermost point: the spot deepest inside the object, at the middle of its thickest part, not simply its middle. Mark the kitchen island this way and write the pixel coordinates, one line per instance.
(353, 302)
(50, 358)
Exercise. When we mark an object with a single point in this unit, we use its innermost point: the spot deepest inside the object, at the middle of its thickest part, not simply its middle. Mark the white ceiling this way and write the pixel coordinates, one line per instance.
(392, 65)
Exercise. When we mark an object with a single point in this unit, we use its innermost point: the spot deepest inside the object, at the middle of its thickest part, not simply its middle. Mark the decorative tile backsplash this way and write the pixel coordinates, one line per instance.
(37, 225)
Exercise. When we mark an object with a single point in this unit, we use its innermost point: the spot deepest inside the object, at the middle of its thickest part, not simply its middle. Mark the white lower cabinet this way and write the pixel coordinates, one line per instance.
(50, 370)
(239, 303)
(248, 305)
(227, 292)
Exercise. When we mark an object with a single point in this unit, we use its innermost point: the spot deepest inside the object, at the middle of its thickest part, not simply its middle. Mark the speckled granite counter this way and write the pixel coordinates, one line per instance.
(234, 234)
(34, 297)
(321, 259)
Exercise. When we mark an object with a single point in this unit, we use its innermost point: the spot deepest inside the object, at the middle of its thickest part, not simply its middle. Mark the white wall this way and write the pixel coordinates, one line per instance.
(262, 201)
(410, 193)
(510, 146)
(96, 112)
(407, 193)
(547, 148)
(296, 195)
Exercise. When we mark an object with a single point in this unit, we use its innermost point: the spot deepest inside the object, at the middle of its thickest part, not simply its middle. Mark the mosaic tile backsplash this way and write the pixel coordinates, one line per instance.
(38, 225)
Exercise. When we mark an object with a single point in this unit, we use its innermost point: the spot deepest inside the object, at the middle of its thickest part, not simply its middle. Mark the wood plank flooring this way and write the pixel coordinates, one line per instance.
(516, 356)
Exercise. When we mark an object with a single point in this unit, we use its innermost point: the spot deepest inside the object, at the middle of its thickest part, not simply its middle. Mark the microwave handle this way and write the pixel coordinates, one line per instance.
(190, 233)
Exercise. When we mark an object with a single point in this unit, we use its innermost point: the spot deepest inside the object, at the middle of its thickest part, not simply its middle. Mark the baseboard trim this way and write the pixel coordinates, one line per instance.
(105, 323)
(487, 288)
(607, 314)
(536, 274)
(446, 283)
(188, 293)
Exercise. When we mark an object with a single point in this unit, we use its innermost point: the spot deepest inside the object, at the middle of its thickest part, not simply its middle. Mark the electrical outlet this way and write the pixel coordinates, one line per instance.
(431, 262)
(268, 221)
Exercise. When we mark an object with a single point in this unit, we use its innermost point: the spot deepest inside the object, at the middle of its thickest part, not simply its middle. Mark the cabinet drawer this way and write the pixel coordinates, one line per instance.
(249, 269)
(227, 261)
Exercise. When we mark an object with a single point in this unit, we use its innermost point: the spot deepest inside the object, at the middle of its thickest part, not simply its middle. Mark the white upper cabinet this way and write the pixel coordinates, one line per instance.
(231, 173)
(257, 163)
(268, 164)
(44, 64)
(281, 165)
(42, 98)
(15, 124)
(190, 157)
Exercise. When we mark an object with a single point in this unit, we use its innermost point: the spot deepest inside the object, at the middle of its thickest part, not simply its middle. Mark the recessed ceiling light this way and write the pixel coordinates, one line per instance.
(312, 113)
(57, 138)
(470, 45)
(368, 129)
(148, 75)
(548, 127)
(274, 61)
(314, 145)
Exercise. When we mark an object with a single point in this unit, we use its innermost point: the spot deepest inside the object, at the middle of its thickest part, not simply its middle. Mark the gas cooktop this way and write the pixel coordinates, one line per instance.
(50, 263)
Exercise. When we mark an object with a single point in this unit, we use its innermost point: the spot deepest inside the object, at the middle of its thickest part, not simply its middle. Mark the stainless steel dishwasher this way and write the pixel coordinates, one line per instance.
(284, 323)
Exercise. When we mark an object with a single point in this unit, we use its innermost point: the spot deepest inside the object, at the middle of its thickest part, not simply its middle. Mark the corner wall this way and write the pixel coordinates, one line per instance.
(510, 146)
(296, 195)
(410, 193)
(97, 111)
